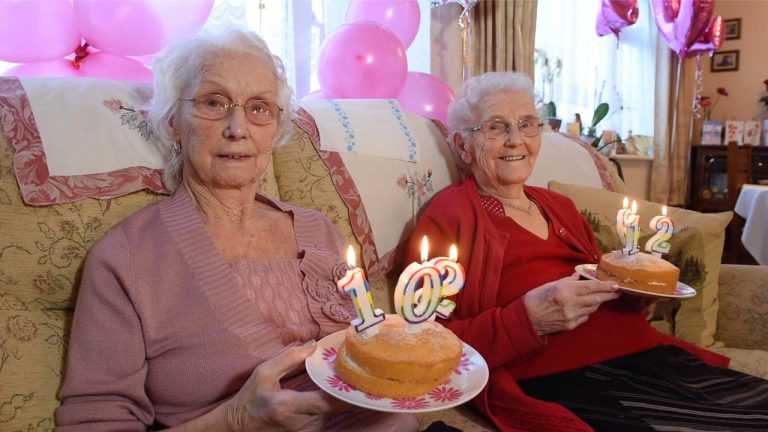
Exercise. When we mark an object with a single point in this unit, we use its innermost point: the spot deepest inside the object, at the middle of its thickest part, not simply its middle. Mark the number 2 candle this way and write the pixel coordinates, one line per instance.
(665, 229)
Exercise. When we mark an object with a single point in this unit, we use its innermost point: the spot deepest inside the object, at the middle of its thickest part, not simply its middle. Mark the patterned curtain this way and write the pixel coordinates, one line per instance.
(671, 166)
(503, 36)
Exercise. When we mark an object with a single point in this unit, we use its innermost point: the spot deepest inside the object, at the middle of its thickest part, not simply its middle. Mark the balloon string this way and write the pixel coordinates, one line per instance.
(80, 54)
(673, 138)
(698, 89)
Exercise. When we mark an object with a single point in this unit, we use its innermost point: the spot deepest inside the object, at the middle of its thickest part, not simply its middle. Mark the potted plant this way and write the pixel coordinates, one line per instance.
(549, 70)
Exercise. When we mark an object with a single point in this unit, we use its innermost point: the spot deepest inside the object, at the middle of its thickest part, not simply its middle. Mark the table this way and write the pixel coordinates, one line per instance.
(752, 205)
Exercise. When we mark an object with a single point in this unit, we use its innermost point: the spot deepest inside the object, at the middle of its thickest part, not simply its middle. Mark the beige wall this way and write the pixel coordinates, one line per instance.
(744, 86)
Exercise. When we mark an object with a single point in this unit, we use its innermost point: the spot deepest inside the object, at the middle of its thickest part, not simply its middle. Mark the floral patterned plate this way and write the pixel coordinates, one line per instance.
(466, 382)
(682, 290)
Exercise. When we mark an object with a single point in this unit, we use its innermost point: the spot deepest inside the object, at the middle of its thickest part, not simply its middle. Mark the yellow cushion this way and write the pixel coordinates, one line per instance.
(697, 249)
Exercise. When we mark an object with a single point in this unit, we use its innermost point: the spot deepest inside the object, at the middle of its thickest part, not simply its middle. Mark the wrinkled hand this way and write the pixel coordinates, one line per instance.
(262, 405)
(566, 303)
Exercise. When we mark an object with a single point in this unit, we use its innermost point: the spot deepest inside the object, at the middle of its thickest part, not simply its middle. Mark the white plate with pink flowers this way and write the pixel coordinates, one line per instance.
(467, 380)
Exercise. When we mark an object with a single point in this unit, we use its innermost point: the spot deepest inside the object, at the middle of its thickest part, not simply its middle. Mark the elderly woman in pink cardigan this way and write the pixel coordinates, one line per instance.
(197, 312)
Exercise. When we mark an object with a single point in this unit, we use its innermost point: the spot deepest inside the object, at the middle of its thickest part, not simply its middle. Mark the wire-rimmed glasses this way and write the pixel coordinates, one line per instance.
(217, 107)
(494, 129)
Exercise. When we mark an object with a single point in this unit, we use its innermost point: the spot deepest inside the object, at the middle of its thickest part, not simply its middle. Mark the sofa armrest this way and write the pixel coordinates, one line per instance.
(742, 320)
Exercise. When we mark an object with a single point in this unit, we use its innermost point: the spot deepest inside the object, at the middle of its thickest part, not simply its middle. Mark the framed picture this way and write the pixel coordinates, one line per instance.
(725, 61)
(732, 28)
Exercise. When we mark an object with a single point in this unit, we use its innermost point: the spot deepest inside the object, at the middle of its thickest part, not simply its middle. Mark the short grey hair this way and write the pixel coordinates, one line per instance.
(464, 112)
(179, 67)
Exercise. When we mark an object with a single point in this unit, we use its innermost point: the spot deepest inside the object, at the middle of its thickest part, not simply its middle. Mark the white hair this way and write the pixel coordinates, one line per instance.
(180, 67)
(464, 112)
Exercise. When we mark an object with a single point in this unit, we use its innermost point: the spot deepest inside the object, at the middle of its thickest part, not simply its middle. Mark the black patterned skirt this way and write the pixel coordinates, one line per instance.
(661, 389)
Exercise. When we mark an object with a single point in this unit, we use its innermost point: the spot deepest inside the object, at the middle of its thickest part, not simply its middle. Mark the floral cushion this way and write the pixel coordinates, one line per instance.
(697, 248)
(742, 321)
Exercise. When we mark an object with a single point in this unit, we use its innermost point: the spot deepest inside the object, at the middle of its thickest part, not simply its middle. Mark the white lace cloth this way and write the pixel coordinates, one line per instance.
(752, 205)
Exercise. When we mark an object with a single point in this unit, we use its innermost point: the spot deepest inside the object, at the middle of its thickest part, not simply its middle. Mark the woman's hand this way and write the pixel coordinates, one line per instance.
(566, 303)
(262, 405)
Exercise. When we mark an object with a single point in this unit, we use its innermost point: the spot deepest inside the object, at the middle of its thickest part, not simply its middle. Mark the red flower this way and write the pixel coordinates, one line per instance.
(722, 91)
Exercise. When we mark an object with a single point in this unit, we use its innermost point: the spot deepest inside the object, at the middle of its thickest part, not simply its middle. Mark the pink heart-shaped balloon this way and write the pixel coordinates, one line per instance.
(615, 15)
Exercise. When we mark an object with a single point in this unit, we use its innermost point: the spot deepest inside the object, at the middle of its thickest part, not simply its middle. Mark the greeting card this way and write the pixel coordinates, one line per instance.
(734, 131)
(752, 133)
(712, 132)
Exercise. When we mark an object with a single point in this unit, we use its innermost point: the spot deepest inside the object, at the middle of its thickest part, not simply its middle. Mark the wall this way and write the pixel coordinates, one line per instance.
(744, 86)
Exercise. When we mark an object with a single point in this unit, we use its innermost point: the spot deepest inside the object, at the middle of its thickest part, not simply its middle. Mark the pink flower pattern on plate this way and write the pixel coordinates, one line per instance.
(464, 364)
(411, 403)
(329, 355)
(339, 384)
(372, 397)
(445, 394)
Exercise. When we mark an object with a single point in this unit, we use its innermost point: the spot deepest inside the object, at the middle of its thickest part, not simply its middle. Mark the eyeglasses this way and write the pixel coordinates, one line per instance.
(493, 129)
(217, 107)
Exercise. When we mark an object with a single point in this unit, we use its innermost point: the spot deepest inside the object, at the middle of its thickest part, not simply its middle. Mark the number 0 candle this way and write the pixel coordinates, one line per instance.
(417, 294)
(659, 244)
(355, 284)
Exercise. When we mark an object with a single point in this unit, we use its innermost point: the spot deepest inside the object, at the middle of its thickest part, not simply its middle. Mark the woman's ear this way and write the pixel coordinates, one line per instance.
(461, 147)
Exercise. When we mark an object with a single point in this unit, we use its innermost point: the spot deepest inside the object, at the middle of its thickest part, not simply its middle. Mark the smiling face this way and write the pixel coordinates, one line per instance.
(502, 164)
(230, 153)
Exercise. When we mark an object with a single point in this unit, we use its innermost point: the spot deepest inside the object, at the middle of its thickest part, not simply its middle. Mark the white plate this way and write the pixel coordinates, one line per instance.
(466, 381)
(682, 291)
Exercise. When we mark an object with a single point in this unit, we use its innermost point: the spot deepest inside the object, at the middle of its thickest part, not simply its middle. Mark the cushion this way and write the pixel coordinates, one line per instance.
(697, 248)
(77, 138)
(743, 318)
(750, 361)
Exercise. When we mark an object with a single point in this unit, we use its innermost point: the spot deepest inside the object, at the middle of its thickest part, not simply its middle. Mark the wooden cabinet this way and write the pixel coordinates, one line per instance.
(709, 176)
(710, 188)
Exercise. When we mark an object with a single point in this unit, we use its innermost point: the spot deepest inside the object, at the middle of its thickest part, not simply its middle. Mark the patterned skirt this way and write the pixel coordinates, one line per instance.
(661, 389)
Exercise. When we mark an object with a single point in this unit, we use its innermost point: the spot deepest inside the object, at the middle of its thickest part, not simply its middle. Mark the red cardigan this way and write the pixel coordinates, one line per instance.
(502, 331)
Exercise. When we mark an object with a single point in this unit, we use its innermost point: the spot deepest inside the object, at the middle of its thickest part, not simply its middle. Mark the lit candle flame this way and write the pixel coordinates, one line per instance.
(634, 207)
(626, 202)
(664, 210)
(351, 262)
(424, 249)
(454, 253)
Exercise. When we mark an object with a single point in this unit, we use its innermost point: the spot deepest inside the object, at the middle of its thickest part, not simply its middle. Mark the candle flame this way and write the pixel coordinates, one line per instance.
(454, 253)
(626, 202)
(424, 249)
(664, 210)
(351, 257)
(634, 207)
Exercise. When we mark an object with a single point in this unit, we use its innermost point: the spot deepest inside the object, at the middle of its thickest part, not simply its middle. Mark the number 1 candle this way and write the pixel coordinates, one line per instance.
(632, 233)
(658, 244)
(355, 284)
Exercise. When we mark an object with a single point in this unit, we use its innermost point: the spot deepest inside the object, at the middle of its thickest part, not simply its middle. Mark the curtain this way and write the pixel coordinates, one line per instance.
(503, 36)
(671, 166)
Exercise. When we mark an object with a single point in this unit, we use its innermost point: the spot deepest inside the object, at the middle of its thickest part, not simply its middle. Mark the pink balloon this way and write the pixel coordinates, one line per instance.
(400, 16)
(107, 65)
(614, 15)
(36, 30)
(427, 96)
(711, 40)
(49, 68)
(138, 27)
(682, 32)
(362, 60)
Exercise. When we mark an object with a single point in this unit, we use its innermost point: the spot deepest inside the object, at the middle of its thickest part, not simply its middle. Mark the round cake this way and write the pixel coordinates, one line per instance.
(640, 271)
(395, 363)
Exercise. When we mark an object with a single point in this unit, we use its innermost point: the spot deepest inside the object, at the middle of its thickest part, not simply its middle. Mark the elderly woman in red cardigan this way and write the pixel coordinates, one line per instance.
(564, 353)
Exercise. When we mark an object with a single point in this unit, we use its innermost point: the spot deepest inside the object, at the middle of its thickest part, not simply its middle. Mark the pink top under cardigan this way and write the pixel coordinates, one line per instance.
(165, 329)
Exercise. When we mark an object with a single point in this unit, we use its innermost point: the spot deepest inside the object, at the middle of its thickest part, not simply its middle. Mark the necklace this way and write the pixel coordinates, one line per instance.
(508, 204)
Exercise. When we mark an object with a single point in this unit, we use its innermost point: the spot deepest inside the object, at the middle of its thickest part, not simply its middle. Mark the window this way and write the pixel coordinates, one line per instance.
(599, 69)
(294, 30)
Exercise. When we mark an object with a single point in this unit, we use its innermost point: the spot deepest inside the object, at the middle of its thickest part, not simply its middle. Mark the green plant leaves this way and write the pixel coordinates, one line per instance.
(600, 112)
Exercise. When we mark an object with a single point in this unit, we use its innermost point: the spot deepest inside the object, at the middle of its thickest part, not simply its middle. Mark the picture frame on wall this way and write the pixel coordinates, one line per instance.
(725, 61)
(732, 28)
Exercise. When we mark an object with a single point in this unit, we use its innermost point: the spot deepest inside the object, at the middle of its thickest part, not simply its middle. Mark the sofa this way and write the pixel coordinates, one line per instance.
(48, 222)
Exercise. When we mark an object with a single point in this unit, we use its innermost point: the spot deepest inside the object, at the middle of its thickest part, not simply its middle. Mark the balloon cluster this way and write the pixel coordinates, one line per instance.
(365, 58)
(93, 37)
(687, 26)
